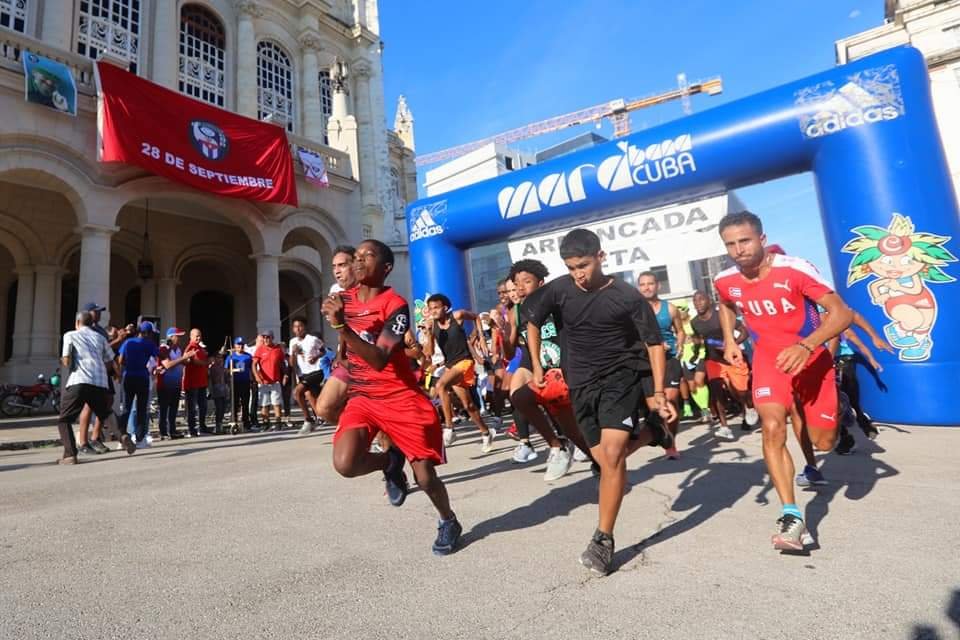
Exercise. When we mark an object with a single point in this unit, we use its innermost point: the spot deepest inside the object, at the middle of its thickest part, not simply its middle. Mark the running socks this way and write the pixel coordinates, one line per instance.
(792, 510)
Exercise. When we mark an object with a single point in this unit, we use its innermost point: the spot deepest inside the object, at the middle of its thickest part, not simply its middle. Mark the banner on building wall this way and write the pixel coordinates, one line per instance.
(314, 168)
(49, 83)
(638, 241)
(189, 141)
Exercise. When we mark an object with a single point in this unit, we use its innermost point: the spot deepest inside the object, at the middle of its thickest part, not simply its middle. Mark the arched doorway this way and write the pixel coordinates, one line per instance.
(131, 306)
(212, 312)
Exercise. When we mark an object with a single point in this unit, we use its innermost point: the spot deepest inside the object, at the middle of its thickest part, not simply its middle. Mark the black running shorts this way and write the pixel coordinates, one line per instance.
(672, 378)
(610, 402)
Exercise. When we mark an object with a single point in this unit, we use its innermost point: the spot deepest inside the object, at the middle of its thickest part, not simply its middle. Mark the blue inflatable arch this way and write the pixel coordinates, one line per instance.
(867, 132)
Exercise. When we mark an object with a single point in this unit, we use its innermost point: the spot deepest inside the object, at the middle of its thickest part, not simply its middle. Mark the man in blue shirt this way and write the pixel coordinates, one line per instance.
(238, 364)
(135, 355)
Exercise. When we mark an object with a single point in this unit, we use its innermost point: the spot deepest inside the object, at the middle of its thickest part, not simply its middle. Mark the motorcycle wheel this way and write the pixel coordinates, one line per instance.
(8, 405)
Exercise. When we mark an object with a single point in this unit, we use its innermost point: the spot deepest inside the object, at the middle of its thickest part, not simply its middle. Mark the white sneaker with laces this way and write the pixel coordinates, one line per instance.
(724, 433)
(486, 440)
(524, 453)
(580, 456)
(143, 444)
(558, 464)
(449, 437)
(752, 417)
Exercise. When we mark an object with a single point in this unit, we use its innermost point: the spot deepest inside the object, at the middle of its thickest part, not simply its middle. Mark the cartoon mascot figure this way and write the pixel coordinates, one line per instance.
(902, 264)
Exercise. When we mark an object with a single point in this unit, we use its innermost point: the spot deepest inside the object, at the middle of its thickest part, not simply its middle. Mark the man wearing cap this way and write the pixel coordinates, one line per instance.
(195, 379)
(135, 355)
(238, 364)
(268, 370)
(84, 442)
(88, 359)
(170, 381)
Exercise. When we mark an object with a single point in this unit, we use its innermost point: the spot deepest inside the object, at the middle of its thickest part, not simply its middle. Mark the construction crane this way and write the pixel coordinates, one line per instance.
(617, 111)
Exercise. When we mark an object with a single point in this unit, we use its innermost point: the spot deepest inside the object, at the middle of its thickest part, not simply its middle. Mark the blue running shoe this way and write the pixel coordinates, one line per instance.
(811, 476)
(448, 535)
(395, 478)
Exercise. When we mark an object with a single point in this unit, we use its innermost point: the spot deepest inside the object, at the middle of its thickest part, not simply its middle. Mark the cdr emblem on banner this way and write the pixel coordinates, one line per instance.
(209, 139)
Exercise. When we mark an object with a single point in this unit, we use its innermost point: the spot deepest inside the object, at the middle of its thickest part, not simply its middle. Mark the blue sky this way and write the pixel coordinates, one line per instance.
(472, 69)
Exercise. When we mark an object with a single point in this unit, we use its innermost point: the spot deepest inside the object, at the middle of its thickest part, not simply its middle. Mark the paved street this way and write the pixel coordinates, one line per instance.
(254, 536)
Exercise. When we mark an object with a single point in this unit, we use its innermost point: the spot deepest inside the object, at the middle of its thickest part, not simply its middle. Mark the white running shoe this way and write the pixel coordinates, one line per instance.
(579, 456)
(524, 453)
(752, 417)
(375, 447)
(143, 444)
(558, 464)
(306, 427)
(449, 437)
(149, 439)
(486, 440)
(724, 433)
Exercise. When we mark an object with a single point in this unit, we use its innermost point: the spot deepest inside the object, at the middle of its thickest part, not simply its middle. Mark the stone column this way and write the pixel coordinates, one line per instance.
(94, 285)
(43, 339)
(312, 111)
(56, 26)
(247, 10)
(166, 42)
(166, 301)
(23, 320)
(268, 293)
(372, 216)
(148, 297)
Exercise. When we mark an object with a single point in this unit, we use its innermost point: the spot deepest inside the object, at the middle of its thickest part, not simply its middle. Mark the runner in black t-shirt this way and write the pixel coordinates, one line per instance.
(611, 342)
(722, 377)
(459, 375)
(554, 396)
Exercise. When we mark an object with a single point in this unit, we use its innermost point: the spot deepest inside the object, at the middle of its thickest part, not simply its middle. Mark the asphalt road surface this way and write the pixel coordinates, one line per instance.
(255, 536)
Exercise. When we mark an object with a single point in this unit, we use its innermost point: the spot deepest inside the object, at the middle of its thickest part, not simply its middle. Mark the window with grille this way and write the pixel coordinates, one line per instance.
(326, 101)
(202, 55)
(109, 26)
(274, 85)
(13, 15)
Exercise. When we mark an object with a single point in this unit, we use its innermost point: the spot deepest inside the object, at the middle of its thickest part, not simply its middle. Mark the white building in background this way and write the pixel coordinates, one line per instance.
(489, 263)
(74, 231)
(933, 27)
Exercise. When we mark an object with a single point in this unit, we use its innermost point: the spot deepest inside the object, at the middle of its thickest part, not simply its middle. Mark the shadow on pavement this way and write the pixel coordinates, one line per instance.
(930, 632)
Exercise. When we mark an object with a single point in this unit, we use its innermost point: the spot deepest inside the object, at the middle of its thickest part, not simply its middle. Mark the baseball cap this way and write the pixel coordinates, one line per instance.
(93, 306)
(146, 326)
(174, 331)
(777, 249)
(267, 333)
(239, 340)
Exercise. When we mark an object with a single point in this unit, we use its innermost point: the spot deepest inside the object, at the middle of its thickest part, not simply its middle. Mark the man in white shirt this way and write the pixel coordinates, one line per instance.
(305, 353)
(89, 360)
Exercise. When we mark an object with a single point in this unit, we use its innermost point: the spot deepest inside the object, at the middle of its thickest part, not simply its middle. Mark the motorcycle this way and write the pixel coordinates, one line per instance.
(29, 398)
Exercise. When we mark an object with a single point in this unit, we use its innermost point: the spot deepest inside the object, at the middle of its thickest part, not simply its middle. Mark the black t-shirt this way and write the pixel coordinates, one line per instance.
(452, 341)
(603, 330)
(712, 334)
(551, 352)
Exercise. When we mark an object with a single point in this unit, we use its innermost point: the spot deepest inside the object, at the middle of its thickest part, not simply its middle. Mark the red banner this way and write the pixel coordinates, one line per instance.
(192, 142)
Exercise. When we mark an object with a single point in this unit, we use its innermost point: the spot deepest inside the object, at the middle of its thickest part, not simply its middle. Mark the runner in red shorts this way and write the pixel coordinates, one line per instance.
(383, 395)
(778, 297)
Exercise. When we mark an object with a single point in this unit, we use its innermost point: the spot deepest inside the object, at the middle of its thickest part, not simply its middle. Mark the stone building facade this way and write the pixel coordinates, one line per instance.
(73, 230)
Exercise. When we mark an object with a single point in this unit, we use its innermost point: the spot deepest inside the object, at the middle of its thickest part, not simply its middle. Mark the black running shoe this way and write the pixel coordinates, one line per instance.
(448, 535)
(598, 556)
(846, 443)
(395, 478)
(86, 451)
(128, 444)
